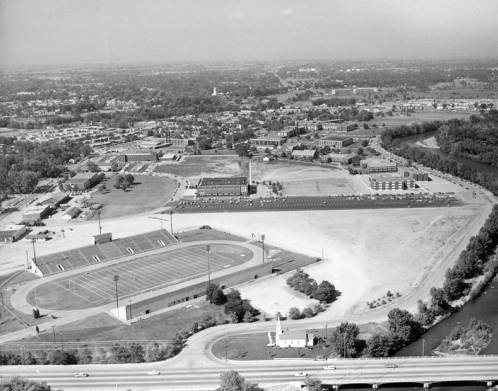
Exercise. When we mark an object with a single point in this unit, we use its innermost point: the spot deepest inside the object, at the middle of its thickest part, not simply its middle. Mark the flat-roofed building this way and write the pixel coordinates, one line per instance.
(83, 181)
(35, 214)
(12, 232)
(267, 142)
(379, 182)
(335, 142)
(141, 157)
(230, 186)
(413, 173)
(304, 154)
(181, 142)
(55, 199)
(338, 157)
(371, 166)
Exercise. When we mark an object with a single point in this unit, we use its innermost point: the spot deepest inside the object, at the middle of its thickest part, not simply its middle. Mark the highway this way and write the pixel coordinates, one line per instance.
(182, 377)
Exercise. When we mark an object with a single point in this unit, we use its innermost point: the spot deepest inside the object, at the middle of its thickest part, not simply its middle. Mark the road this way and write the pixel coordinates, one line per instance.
(172, 377)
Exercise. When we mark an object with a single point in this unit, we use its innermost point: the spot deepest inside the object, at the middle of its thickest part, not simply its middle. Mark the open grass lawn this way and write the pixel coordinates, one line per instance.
(147, 193)
(254, 346)
(103, 327)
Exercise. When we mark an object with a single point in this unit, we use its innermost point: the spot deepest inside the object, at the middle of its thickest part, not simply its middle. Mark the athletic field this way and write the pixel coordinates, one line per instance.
(145, 273)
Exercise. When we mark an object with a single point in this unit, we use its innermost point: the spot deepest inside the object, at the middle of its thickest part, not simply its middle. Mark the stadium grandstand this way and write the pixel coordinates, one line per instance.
(94, 254)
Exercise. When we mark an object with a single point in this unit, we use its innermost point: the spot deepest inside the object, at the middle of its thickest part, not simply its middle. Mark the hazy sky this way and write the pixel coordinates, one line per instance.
(92, 31)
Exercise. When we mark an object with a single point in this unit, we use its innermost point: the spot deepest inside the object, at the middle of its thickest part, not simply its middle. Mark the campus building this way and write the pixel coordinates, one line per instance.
(11, 233)
(139, 157)
(35, 214)
(372, 166)
(413, 173)
(304, 154)
(267, 142)
(378, 182)
(232, 186)
(84, 181)
(335, 142)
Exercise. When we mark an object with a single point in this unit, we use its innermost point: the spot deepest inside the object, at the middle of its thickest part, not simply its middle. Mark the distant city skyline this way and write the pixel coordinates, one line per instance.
(109, 31)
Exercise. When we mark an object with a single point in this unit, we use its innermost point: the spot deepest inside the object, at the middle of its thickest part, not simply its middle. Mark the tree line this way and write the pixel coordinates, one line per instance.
(448, 133)
(24, 163)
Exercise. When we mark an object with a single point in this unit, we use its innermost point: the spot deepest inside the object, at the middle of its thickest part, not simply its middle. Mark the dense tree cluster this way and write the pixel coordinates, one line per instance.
(24, 163)
(124, 181)
(455, 136)
(239, 310)
(20, 384)
(233, 381)
(472, 262)
(324, 292)
(474, 139)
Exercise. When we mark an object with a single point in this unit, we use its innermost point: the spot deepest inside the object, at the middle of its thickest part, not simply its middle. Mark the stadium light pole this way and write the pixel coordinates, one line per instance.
(116, 278)
(263, 242)
(34, 251)
(171, 220)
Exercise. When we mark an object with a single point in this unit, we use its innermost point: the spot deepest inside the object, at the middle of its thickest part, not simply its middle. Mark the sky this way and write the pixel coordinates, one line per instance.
(136, 31)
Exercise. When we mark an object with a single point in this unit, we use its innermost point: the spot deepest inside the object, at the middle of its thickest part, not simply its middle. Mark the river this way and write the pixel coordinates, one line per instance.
(483, 308)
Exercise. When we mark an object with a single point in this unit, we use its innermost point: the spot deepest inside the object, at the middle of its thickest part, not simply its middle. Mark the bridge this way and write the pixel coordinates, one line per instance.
(188, 375)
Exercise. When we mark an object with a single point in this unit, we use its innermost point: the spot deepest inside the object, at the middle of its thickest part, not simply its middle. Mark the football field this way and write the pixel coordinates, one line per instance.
(142, 274)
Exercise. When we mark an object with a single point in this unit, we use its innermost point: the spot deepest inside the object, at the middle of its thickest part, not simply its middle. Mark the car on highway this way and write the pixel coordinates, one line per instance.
(153, 372)
(391, 365)
(81, 374)
(300, 374)
(329, 367)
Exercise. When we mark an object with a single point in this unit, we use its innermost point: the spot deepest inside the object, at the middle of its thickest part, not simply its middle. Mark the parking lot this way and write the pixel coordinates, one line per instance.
(370, 201)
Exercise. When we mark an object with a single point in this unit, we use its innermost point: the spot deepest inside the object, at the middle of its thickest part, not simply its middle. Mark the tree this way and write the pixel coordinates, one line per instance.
(19, 384)
(312, 384)
(92, 166)
(215, 295)
(326, 292)
(403, 325)
(233, 381)
(344, 339)
(243, 149)
(381, 345)
(114, 166)
(294, 313)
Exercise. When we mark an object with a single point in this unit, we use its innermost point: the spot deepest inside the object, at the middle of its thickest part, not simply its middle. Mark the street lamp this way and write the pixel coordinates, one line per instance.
(116, 278)
(263, 242)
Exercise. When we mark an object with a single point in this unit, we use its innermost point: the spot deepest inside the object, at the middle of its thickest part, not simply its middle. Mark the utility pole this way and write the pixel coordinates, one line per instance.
(208, 249)
(263, 242)
(116, 278)
(53, 332)
(100, 225)
(423, 347)
(34, 251)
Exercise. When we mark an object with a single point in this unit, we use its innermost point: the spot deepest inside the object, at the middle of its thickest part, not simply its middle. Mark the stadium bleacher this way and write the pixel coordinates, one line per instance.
(89, 255)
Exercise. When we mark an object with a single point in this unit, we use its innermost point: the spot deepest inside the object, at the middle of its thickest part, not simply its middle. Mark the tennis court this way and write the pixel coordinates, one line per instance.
(135, 276)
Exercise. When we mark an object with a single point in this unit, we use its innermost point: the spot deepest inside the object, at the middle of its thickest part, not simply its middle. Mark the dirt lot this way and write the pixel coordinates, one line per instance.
(196, 166)
(301, 179)
(148, 192)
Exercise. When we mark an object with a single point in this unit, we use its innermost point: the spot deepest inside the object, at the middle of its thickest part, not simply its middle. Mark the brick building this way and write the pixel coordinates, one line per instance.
(232, 186)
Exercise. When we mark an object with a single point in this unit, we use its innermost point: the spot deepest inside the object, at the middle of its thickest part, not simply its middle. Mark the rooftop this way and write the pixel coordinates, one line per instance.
(219, 181)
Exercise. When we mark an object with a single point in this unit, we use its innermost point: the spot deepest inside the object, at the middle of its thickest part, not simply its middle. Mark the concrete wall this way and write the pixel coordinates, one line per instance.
(145, 307)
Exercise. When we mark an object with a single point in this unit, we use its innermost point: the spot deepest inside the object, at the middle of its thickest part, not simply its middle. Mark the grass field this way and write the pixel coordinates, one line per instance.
(147, 193)
(148, 272)
(103, 327)
(301, 179)
(196, 166)
(253, 346)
